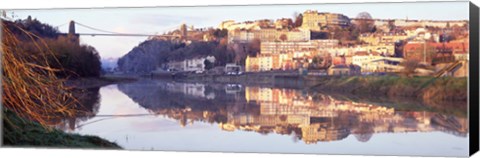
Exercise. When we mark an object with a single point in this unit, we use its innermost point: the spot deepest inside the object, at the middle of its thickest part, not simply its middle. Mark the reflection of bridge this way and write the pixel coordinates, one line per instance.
(112, 116)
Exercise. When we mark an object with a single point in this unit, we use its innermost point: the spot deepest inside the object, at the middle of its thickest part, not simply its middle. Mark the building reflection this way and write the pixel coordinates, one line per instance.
(308, 116)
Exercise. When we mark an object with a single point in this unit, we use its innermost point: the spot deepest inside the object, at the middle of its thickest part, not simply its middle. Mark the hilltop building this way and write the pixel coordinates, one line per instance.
(317, 21)
(282, 47)
(268, 35)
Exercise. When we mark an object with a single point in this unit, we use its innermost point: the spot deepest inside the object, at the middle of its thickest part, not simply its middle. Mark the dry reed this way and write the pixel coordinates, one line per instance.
(30, 87)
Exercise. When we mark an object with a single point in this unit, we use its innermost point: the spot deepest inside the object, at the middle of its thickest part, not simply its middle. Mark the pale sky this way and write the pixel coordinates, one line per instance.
(162, 19)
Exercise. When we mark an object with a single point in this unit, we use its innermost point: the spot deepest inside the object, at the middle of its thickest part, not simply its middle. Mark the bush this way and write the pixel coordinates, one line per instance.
(67, 56)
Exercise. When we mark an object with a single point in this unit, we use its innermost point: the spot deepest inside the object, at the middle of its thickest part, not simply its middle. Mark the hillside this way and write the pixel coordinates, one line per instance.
(154, 53)
(144, 57)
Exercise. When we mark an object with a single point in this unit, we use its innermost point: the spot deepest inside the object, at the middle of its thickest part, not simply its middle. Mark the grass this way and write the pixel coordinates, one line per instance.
(21, 132)
(30, 87)
(33, 96)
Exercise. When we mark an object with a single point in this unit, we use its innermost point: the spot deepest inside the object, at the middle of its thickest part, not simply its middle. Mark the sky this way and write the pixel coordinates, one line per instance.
(163, 19)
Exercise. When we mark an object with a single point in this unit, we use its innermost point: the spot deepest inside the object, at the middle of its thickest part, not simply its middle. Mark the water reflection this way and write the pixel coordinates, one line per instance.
(309, 116)
(86, 108)
(160, 115)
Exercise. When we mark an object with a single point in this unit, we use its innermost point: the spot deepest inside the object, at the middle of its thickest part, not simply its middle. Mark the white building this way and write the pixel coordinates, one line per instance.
(366, 60)
(268, 35)
(289, 46)
(190, 65)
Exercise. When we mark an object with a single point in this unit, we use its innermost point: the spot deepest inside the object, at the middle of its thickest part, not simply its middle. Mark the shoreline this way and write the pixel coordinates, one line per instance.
(93, 82)
(20, 132)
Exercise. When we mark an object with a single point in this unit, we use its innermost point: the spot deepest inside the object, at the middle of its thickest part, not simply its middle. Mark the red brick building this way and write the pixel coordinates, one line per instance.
(433, 53)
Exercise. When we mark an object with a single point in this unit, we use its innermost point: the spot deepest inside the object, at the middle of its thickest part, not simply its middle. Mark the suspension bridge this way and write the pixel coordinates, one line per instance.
(73, 24)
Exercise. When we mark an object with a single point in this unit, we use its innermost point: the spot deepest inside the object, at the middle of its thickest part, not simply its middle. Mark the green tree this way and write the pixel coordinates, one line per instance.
(317, 62)
(208, 64)
(75, 60)
(68, 57)
(220, 33)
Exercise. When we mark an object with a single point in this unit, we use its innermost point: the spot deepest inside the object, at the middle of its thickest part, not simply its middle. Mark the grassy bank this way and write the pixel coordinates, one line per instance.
(33, 87)
(427, 88)
(20, 132)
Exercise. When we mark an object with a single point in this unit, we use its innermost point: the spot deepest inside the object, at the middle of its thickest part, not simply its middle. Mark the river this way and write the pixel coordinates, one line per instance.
(167, 115)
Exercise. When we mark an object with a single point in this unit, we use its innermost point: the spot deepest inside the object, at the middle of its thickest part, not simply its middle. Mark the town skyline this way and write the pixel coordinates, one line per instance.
(361, 78)
(163, 19)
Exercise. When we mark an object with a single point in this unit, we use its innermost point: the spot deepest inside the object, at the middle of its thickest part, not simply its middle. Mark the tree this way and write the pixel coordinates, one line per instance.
(344, 34)
(283, 37)
(254, 47)
(409, 67)
(391, 25)
(220, 33)
(75, 60)
(298, 20)
(40, 30)
(317, 62)
(208, 64)
(63, 54)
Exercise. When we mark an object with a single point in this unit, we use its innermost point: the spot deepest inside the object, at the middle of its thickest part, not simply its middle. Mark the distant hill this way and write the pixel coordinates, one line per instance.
(109, 64)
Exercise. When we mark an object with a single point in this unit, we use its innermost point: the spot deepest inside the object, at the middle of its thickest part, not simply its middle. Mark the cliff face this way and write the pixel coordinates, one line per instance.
(144, 58)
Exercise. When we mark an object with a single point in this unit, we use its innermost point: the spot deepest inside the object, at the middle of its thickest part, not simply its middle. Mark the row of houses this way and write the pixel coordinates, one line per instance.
(291, 60)
(412, 23)
(383, 38)
(281, 47)
(317, 21)
(284, 48)
(268, 35)
(295, 55)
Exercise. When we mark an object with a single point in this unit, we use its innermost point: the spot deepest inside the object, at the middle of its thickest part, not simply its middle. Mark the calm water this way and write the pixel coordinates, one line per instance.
(162, 115)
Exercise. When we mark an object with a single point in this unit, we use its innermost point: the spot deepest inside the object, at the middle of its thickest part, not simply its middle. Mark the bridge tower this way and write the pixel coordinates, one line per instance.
(71, 28)
(72, 36)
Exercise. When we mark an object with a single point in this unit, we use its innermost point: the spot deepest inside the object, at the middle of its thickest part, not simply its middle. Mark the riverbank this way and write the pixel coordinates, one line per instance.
(426, 88)
(21, 132)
